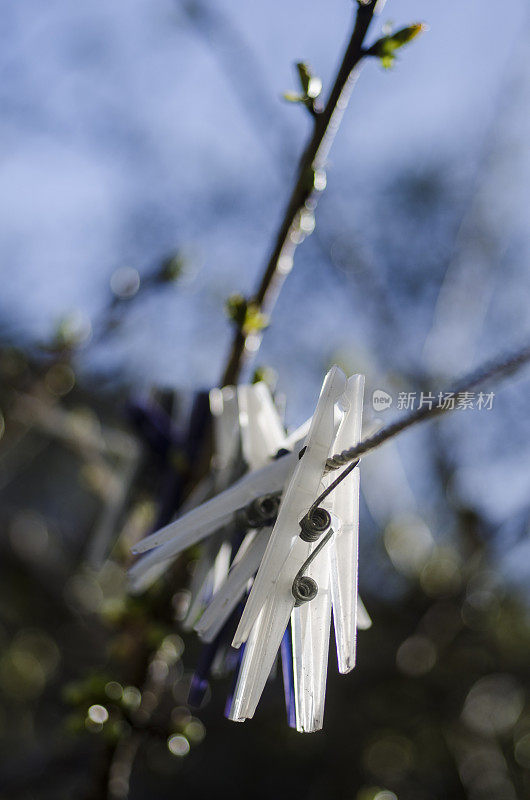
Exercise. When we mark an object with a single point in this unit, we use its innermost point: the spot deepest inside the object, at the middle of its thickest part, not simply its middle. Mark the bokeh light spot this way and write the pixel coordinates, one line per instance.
(409, 544)
(172, 648)
(416, 656)
(98, 714)
(181, 602)
(114, 690)
(73, 330)
(195, 730)
(493, 705)
(178, 745)
(132, 697)
(441, 575)
(522, 751)
(83, 592)
(125, 282)
(60, 379)
(390, 757)
(180, 716)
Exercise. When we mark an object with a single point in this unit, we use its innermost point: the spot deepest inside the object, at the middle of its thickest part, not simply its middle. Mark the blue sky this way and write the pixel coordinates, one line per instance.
(122, 133)
(127, 132)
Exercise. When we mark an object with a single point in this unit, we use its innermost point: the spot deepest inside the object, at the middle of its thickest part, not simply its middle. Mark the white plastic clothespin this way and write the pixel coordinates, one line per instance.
(214, 561)
(271, 599)
(335, 572)
(344, 550)
(262, 435)
(262, 432)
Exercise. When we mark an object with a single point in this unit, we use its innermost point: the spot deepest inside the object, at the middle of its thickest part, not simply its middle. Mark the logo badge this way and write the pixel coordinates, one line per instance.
(381, 400)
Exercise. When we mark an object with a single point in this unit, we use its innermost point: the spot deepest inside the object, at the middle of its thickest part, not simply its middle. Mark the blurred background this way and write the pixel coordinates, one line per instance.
(147, 155)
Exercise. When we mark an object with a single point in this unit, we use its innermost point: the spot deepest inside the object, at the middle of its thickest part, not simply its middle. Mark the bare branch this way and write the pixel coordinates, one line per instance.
(308, 186)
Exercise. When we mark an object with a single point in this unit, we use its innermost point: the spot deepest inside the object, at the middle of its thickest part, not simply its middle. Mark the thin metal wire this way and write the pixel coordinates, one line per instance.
(334, 485)
(304, 580)
(492, 370)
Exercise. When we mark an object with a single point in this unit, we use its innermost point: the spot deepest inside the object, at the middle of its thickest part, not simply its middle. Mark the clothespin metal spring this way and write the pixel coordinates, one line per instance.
(313, 525)
(261, 511)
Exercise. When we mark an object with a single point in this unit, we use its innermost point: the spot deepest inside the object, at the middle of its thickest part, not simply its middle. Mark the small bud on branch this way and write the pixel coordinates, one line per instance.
(311, 86)
(246, 315)
(385, 47)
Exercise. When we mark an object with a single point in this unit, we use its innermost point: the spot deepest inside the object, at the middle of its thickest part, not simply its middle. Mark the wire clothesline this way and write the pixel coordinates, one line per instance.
(318, 521)
(490, 371)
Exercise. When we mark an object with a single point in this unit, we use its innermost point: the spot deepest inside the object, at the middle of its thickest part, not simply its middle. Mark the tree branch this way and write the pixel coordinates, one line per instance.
(307, 189)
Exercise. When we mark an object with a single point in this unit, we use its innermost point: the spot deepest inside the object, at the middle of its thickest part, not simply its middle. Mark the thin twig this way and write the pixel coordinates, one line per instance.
(493, 370)
(305, 193)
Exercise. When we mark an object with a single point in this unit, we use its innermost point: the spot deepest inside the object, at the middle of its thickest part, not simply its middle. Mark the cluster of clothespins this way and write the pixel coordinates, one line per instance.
(280, 547)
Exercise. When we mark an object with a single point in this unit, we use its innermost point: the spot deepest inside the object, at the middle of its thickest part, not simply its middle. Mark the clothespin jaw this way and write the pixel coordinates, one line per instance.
(344, 551)
(224, 408)
(214, 560)
(262, 432)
